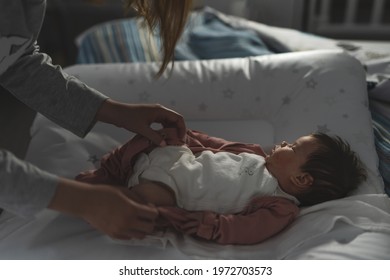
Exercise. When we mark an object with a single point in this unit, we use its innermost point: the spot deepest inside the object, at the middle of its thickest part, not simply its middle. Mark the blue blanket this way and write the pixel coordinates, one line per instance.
(206, 37)
(381, 125)
(211, 38)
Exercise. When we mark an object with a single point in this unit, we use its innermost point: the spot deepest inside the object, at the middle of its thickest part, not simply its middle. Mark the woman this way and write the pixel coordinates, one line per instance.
(30, 76)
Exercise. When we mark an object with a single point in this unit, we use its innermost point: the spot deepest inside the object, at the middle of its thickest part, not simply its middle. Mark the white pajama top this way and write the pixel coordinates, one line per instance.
(221, 182)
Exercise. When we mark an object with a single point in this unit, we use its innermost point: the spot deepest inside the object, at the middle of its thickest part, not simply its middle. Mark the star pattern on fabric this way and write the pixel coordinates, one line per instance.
(213, 78)
(331, 100)
(228, 94)
(105, 81)
(295, 71)
(144, 96)
(202, 107)
(53, 101)
(248, 170)
(93, 159)
(352, 71)
(285, 123)
(286, 100)
(246, 114)
(360, 137)
(312, 84)
(322, 128)
(269, 74)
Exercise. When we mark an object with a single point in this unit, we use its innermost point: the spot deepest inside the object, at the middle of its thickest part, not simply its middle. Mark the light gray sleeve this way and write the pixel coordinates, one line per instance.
(32, 78)
(25, 190)
(50, 91)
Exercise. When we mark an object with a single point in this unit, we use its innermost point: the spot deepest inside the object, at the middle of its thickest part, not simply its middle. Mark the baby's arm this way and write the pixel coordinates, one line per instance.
(263, 218)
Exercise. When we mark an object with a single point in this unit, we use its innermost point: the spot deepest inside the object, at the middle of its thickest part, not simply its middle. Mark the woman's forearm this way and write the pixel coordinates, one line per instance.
(109, 209)
(70, 197)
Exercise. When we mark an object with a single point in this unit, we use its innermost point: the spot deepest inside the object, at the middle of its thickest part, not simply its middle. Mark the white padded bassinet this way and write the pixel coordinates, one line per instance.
(258, 99)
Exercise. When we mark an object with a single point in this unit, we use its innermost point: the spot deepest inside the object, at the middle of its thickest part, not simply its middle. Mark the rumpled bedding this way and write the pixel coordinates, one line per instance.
(212, 38)
(380, 111)
(206, 37)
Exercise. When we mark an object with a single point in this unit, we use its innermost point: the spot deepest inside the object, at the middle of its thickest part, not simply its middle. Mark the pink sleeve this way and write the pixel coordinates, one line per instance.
(110, 171)
(116, 166)
(198, 141)
(263, 218)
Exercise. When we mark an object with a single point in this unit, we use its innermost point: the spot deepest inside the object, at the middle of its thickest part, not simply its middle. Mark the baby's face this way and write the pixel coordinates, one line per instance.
(286, 159)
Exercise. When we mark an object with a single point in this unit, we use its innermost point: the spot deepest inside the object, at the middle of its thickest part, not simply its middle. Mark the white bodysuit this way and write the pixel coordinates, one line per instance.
(221, 182)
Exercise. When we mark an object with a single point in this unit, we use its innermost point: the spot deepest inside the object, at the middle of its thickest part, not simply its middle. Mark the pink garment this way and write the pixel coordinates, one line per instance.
(262, 218)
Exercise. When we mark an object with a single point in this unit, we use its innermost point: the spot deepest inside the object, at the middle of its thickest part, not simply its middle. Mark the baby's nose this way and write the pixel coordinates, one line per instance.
(283, 144)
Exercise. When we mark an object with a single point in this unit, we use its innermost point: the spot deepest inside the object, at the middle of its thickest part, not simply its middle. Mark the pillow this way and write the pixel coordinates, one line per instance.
(295, 93)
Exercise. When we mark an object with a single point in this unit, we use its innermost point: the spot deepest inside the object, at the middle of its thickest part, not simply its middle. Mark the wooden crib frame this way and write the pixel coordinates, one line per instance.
(348, 19)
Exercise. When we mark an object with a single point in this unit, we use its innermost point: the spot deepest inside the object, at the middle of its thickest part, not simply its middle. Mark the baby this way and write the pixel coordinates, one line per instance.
(211, 188)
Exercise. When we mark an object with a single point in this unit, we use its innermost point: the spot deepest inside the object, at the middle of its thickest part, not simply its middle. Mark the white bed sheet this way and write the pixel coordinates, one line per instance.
(320, 91)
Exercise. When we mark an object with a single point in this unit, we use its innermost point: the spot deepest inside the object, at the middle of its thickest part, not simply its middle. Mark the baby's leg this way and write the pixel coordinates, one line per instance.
(153, 192)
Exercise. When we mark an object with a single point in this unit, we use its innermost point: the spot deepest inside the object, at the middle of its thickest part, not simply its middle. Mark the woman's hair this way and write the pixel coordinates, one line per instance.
(335, 168)
(170, 16)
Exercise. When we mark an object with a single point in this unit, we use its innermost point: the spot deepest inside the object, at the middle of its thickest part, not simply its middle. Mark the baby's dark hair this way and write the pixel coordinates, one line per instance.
(335, 168)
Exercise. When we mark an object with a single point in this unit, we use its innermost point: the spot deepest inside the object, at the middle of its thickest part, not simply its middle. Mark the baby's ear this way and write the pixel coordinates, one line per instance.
(302, 180)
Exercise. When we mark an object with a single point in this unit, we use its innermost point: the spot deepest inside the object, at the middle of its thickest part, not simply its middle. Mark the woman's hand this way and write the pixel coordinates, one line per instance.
(138, 118)
(107, 208)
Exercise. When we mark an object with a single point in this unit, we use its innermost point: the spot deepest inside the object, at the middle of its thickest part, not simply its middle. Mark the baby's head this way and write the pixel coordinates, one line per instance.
(316, 168)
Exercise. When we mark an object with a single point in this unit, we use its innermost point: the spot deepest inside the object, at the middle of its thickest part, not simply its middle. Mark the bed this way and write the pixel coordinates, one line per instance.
(324, 88)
